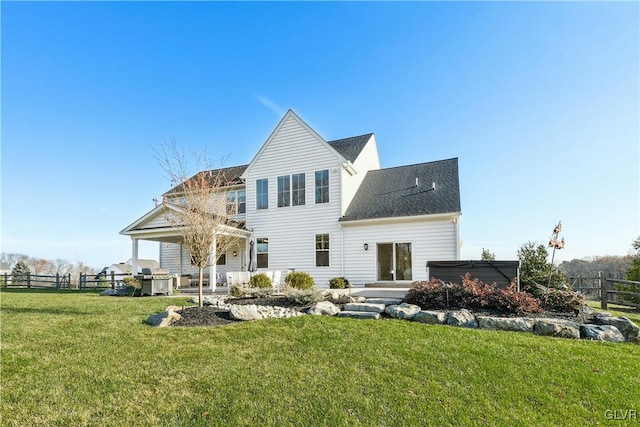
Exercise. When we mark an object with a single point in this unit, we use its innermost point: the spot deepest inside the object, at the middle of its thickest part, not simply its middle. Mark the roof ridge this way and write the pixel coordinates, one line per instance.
(415, 164)
(350, 137)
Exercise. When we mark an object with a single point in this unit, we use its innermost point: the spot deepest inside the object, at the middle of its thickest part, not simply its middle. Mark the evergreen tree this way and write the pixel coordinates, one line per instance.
(487, 255)
(534, 269)
(634, 271)
(19, 272)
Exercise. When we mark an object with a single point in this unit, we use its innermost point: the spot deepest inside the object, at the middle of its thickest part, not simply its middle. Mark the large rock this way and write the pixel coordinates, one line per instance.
(518, 324)
(363, 306)
(431, 317)
(402, 311)
(244, 312)
(601, 333)
(324, 308)
(109, 293)
(556, 328)
(339, 298)
(163, 319)
(627, 328)
(463, 318)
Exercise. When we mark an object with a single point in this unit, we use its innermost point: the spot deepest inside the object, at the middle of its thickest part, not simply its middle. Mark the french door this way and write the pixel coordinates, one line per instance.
(394, 262)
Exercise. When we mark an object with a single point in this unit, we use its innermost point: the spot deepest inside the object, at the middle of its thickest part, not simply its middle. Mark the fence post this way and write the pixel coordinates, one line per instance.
(5, 282)
(29, 280)
(603, 290)
(57, 280)
(113, 279)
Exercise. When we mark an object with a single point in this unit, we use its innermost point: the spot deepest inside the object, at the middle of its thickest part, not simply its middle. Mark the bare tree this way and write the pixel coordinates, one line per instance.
(197, 207)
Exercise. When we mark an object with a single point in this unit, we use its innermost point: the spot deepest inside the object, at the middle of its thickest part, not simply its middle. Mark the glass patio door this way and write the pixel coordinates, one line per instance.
(394, 262)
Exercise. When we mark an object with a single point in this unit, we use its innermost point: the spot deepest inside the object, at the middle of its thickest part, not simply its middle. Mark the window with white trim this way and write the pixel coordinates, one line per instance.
(262, 194)
(322, 186)
(291, 191)
(262, 252)
(322, 250)
(284, 191)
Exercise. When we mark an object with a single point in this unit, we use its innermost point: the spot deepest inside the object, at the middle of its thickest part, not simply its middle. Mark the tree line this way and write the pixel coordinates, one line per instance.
(41, 266)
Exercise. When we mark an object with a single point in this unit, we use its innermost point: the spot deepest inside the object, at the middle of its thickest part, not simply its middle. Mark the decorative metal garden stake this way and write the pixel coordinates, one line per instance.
(555, 244)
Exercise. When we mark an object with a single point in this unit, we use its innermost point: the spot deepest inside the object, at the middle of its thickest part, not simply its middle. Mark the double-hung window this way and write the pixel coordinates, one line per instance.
(262, 252)
(322, 250)
(284, 191)
(322, 186)
(297, 189)
(236, 202)
(291, 190)
(262, 194)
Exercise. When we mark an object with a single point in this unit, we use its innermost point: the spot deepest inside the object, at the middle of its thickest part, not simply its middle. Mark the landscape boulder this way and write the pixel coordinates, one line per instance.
(166, 318)
(518, 324)
(109, 293)
(244, 312)
(601, 333)
(431, 317)
(402, 311)
(556, 328)
(627, 328)
(463, 318)
(324, 308)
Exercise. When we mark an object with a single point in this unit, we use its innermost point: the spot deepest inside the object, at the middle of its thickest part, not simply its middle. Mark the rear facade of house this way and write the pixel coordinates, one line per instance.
(329, 209)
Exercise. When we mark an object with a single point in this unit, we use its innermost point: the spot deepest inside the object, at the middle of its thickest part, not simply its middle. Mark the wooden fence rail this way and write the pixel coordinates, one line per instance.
(63, 281)
(608, 291)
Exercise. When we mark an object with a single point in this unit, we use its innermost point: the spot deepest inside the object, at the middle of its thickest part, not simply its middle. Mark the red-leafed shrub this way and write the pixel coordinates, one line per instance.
(471, 294)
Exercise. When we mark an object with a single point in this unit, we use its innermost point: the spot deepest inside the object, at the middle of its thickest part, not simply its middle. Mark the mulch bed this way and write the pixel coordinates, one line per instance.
(213, 316)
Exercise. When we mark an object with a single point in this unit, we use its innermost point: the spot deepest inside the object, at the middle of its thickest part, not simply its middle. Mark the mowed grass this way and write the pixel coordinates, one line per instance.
(72, 358)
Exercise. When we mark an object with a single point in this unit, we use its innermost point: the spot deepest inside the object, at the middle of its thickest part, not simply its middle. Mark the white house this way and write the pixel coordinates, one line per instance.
(327, 208)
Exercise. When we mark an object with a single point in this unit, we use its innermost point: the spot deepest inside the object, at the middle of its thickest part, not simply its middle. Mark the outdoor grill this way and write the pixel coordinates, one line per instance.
(158, 282)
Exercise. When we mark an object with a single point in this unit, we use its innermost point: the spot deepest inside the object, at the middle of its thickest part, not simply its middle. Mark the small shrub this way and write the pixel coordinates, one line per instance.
(303, 296)
(562, 301)
(299, 280)
(239, 291)
(260, 280)
(470, 294)
(339, 283)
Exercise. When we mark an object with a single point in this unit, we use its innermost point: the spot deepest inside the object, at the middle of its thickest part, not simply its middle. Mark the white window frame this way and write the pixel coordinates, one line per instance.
(326, 249)
(321, 188)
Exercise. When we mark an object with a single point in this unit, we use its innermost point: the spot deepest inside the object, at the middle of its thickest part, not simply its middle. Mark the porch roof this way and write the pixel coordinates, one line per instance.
(154, 226)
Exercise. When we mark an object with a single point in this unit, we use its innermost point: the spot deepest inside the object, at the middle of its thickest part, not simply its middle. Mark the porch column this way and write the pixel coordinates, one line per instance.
(134, 256)
(213, 268)
(246, 253)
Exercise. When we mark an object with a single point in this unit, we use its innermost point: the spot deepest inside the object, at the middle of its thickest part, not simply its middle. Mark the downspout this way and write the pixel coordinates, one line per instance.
(456, 224)
(341, 250)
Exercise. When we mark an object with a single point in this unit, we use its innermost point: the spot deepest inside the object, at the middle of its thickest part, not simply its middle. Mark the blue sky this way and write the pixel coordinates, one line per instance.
(538, 100)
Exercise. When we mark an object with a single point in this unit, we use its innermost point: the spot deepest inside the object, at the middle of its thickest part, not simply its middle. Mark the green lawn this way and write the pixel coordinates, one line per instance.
(71, 358)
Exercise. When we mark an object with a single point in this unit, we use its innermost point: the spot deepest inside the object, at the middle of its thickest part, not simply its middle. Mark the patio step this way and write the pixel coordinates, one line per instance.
(363, 306)
(359, 314)
(385, 301)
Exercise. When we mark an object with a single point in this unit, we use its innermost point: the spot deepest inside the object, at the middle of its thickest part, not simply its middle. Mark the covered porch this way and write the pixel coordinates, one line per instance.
(175, 258)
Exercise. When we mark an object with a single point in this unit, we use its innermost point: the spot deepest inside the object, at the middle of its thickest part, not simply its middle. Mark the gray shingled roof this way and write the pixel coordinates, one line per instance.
(392, 192)
(230, 175)
(350, 148)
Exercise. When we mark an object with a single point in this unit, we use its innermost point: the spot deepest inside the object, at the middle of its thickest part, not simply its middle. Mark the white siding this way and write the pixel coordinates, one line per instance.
(170, 257)
(366, 161)
(291, 230)
(430, 240)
